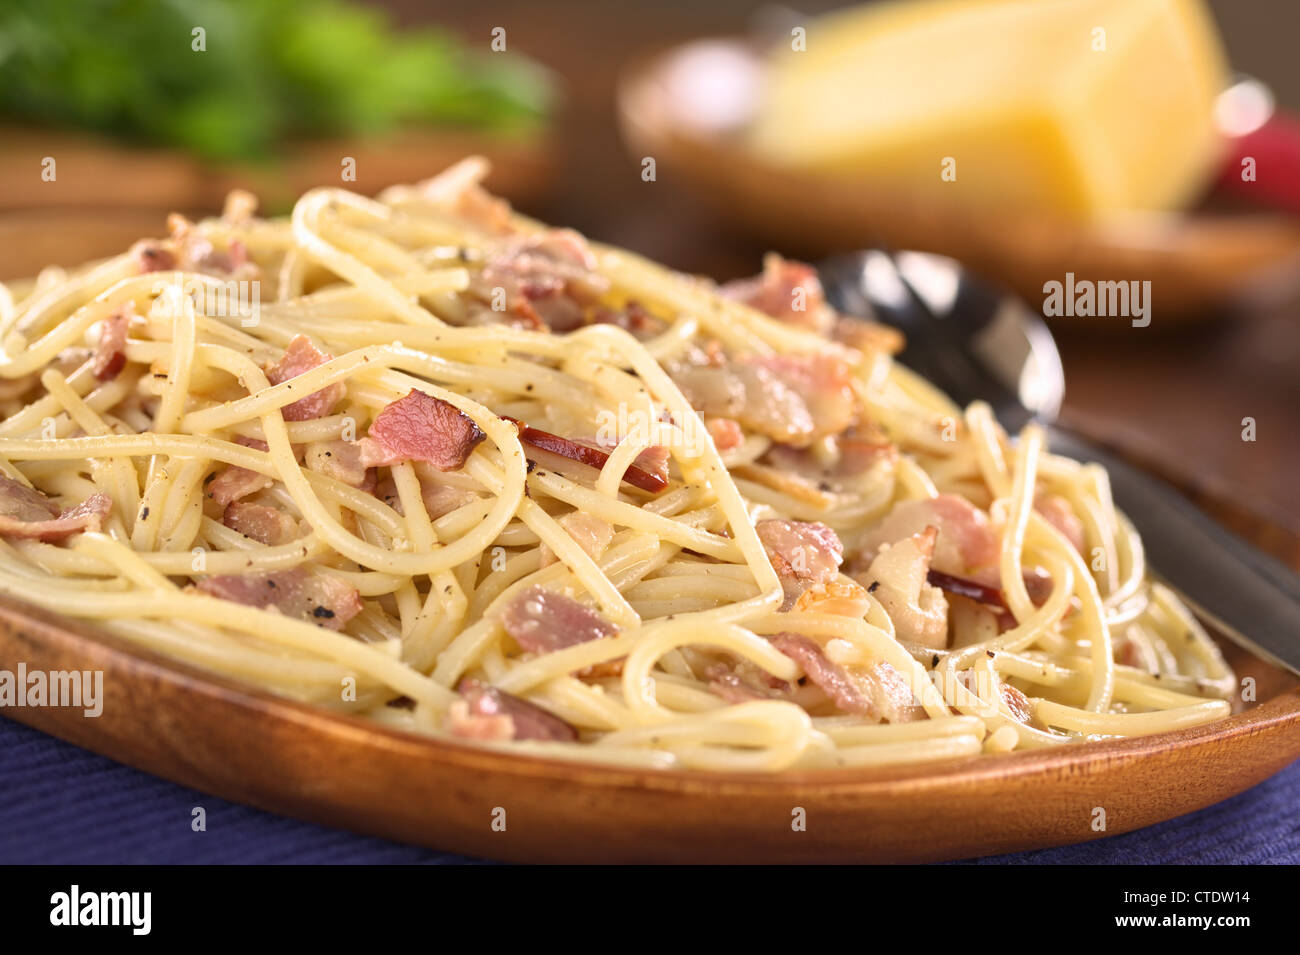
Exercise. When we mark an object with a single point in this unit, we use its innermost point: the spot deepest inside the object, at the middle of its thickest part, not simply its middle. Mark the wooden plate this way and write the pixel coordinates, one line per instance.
(684, 107)
(219, 737)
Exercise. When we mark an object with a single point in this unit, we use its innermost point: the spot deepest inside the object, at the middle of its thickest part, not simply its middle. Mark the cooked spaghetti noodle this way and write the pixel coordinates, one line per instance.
(422, 459)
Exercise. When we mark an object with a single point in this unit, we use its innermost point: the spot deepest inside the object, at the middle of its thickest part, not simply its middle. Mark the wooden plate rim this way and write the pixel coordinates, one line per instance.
(112, 653)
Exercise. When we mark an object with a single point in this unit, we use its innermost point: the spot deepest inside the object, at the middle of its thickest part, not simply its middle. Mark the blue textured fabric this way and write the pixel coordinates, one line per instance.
(63, 804)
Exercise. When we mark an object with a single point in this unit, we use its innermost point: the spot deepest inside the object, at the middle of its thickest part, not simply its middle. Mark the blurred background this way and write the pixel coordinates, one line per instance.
(1115, 162)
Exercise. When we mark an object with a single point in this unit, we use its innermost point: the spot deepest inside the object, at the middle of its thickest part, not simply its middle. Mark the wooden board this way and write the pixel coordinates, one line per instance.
(1196, 263)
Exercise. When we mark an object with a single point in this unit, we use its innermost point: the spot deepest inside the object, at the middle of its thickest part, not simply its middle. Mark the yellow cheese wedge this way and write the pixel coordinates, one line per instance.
(1078, 108)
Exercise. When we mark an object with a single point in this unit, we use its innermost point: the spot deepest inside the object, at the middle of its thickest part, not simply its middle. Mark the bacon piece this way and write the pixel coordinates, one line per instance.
(653, 460)
(386, 491)
(196, 253)
(824, 382)
(479, 207)
(442, 499)
(632, 318)
(964, 587)
(206, 258)
(636, 475)
(302, 356)
(1017, 703)
(261, 523)
(1057, 511)
(742, 681)
(832, 678)
(1132, 653)
(318, 598)
(751, 394)
(716, 391)
(439, 499)
(725, 683)
(233, 482)
(457, 189)
(1037, 582)
(792, 293)
(22, 503)
(793, 399)
(888, 690)
(848, 598)
(464, 723)
(152, 256)
(898, 579)
(789, 482)
(544, 281)
(27, 513)
(966, 544)
(517, 313)
(877, 691)
(110, 352)
(340, 460)
(420, 427)
(86, 516)
(786, 290)
(190, 251)
(725, 432)
(543, 621)
(804, 555)
(607, 669)
(861, 448)
(589, 532)
(483, 702)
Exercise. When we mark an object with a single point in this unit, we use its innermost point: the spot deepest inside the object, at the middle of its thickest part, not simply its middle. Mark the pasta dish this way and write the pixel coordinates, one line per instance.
(422, 459)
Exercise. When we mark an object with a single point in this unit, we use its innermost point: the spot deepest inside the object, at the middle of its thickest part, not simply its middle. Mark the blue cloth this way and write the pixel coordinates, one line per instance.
(62, 804)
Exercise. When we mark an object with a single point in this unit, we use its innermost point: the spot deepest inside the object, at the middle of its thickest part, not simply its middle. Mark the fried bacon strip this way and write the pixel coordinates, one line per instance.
(299, 358)
(637, 476)
(1037, 583)
(485, 712)
(110, 353)
(28, 514)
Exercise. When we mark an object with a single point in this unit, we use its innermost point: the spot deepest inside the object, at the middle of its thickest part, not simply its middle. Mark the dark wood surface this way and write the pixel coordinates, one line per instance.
(1173, 394)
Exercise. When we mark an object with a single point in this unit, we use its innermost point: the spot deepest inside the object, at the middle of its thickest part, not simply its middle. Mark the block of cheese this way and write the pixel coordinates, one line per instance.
(1076, 108)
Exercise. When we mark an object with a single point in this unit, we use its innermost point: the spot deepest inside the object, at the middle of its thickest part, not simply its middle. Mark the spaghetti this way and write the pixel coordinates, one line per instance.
(423, 459)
